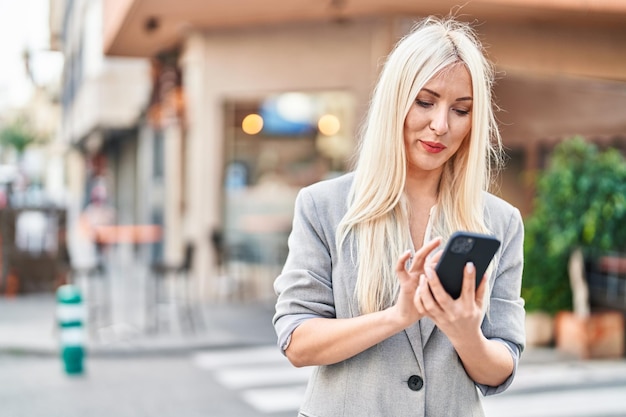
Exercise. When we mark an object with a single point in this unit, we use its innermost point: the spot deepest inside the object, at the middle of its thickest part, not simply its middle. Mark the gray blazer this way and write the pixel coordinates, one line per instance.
(416, 372)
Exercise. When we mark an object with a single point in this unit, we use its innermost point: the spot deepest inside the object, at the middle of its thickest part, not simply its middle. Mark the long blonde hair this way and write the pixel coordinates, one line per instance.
(376, 223)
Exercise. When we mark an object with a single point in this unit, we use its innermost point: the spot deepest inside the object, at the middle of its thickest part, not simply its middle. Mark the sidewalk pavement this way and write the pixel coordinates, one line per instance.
(28, 326)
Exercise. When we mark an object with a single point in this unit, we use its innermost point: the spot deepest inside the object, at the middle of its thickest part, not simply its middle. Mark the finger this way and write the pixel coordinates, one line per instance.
(439, 293)
(433, 260)
(480, 291)
(417, 298)
(469, 281)
(420, 256)
(436, 256)
(401, 264)
(429, 299)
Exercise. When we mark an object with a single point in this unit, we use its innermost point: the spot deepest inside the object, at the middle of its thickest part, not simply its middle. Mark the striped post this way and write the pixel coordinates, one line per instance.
(70, 318)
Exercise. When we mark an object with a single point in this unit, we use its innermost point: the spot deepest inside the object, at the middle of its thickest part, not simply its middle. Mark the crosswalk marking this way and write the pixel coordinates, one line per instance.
(275, 400)
(239, 357)
(262, 375)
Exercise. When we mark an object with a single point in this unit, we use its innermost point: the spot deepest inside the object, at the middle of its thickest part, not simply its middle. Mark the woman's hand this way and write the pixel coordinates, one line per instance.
(486, 361)
(404, 309)
(459, 319)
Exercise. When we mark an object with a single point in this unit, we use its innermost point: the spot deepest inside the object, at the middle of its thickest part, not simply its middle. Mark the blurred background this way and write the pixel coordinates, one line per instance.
(151, 152)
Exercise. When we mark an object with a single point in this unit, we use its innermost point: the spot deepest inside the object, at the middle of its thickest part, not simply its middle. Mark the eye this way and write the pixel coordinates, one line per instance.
(424, 104)
(461, 112)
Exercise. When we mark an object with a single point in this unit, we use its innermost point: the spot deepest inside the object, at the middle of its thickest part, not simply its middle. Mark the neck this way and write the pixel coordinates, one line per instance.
(423, 187)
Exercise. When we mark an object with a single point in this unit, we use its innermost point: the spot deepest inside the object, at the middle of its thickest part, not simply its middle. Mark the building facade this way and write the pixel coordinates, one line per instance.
(228, 184)
(102, 102)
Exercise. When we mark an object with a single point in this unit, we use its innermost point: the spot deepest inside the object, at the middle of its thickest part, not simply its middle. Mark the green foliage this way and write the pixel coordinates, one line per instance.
(17, 136)
(581, 202)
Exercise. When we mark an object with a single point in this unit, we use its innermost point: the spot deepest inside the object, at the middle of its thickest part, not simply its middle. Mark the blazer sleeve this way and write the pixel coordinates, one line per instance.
(304, 287)
(504, 321)
(505, 316)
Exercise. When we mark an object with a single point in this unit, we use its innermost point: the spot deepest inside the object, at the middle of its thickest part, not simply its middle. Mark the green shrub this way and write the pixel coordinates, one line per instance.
(17, 135)
(580, 202)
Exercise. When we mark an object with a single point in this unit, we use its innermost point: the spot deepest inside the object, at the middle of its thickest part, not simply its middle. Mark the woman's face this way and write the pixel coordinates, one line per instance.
(439, 120)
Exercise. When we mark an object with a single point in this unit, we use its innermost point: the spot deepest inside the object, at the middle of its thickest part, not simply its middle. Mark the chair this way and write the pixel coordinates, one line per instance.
(176, 294)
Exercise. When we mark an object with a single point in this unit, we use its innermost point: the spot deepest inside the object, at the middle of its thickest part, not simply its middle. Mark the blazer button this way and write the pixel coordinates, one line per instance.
(415, 383)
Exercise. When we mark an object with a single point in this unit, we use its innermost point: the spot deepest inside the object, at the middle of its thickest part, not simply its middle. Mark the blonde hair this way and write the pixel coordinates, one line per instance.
(376, 222)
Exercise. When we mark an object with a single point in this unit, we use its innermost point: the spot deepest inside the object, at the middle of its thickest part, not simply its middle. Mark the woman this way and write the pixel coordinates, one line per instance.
(385, 337)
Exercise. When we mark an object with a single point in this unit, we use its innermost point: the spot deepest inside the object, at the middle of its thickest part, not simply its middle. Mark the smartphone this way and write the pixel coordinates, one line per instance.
(464, 247)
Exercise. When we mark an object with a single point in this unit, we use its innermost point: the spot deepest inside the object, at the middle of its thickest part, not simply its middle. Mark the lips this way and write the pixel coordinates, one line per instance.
(432, 147)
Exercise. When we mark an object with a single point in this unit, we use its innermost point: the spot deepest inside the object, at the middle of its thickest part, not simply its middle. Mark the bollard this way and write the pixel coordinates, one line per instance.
(70, 317)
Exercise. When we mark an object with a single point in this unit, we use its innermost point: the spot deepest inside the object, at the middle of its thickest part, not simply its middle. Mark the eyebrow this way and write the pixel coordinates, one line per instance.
(434, 93)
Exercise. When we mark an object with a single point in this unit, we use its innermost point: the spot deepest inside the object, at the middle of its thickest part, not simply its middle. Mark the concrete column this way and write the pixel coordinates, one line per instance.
(173, 214)
(202, 158)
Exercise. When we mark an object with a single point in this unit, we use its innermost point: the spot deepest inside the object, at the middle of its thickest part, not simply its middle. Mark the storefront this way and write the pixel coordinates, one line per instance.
(274, 146)
(265, 118)
(229, 183)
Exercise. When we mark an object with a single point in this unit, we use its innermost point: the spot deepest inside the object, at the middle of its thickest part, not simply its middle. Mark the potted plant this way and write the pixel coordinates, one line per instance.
(580, 208)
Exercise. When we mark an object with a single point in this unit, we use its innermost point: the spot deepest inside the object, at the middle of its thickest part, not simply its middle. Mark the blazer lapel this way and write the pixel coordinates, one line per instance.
(415, 338)
(426, 326)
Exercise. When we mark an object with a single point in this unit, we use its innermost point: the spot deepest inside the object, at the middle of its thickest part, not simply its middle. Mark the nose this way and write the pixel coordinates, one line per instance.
(439, 121)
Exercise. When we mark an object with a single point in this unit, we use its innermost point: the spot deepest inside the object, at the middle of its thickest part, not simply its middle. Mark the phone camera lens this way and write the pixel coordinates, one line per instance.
(462, 245)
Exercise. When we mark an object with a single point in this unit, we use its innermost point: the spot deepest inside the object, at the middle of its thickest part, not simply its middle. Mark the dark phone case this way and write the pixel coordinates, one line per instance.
(450, 266)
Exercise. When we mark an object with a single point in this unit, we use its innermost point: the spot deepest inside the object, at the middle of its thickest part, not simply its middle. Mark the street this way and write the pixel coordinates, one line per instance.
(164, 386)
(258, 382)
